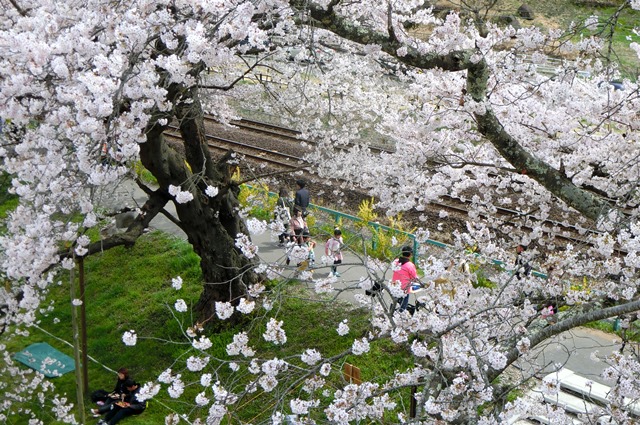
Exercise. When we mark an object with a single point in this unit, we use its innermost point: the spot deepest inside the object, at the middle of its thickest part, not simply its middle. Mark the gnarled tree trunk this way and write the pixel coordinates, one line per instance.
(211, 223)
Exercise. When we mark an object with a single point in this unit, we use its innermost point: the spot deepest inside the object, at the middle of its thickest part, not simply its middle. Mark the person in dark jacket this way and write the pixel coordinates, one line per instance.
(523, 268)
(118, 393)
(129, 407)
(301, 201)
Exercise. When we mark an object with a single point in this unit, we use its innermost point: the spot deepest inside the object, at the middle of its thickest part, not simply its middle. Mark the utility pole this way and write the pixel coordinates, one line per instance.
(76, 348)
(413, 404)
(83, 328)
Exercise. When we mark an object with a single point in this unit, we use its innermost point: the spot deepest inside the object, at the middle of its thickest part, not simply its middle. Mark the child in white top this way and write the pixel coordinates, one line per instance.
(333, 250)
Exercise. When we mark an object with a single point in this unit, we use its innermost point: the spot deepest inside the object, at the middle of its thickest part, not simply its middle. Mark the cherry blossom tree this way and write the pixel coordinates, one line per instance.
(89, 89)
(480, 122)
(466, 112)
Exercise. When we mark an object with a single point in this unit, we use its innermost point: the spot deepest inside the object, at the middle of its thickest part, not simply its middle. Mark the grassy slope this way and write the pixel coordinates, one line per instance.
(125, 289)
(131, 289)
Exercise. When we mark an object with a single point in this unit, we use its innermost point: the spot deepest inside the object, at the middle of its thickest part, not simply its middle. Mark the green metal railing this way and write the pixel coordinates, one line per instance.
(338, 216)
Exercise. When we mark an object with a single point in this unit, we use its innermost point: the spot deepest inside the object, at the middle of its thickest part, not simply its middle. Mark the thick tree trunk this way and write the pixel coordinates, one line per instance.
(212, 228)
(211, 224)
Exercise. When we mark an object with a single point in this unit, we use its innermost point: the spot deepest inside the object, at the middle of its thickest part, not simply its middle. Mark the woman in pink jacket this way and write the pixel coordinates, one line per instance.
(404, 271)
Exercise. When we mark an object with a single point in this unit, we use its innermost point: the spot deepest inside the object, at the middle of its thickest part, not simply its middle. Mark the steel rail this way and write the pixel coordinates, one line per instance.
(462, 207)
(249, 151)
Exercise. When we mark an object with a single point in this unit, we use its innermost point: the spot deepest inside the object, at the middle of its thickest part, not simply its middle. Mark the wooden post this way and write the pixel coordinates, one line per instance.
(76, 349)
(355, 373)
(346, 372)
(83, 328)
(412, 405)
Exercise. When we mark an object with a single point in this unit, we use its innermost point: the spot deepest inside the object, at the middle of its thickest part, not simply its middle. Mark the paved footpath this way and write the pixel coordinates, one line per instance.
(571, 349)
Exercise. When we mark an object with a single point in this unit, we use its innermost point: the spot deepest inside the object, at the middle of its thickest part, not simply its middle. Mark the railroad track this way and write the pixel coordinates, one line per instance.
(222, 145)
(269, 129)
(283, 160)
(562, 231)
(276, 131)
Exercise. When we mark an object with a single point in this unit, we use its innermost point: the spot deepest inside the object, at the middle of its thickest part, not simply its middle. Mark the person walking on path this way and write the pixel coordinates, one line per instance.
(297, 224)
(302, 198)
(405, 272)
(282, 212)
(333, 250)
(523, 268)
(128, 407)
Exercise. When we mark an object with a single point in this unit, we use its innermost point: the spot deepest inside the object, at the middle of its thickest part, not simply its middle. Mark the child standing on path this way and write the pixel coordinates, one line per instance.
(310, 244)
(333, 250)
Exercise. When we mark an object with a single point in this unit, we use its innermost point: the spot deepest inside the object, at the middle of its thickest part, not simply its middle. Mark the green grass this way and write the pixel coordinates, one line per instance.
(559, 14)
(622, 36)
(8, 201)
(125, 289)
(131, 289)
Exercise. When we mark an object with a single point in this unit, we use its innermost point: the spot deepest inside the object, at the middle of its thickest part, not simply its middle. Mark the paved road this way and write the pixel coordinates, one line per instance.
(572, 349)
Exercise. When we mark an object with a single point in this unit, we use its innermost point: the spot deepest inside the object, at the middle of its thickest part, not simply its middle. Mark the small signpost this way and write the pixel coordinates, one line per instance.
(351, 374)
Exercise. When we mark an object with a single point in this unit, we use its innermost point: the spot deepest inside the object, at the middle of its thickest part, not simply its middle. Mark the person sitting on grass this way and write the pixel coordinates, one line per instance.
(118, 393)
(128, 407)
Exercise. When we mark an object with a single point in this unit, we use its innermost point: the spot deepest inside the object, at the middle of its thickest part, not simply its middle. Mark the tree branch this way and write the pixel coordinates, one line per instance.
(20, 10)
(150, 209)
(581, 319)
(234, 82)
(390, 30)
(588, 204)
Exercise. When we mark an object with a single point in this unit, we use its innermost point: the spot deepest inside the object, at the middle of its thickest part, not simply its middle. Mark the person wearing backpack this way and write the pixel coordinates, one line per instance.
(333, 250)
(405, 272)
(282, 213)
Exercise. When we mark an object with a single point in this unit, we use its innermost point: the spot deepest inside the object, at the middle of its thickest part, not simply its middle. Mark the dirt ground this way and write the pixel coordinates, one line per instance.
(548, 13)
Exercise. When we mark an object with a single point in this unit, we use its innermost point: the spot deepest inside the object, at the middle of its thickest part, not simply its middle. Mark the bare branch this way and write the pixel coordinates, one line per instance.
(150, 209)
(237, 80)
(20, 10)
(564, 325)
